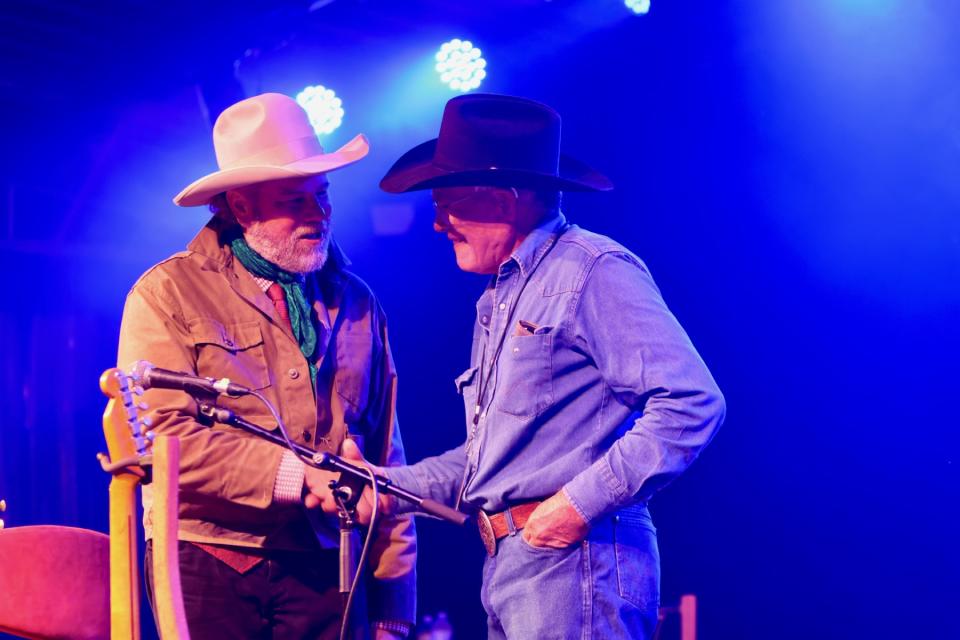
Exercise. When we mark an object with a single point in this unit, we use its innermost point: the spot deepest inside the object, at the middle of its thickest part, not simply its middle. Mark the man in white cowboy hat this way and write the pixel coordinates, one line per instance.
(584, 396)
(263, 296)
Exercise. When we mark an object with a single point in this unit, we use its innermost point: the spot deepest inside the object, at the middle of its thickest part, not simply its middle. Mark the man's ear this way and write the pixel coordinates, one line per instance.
(241, 206)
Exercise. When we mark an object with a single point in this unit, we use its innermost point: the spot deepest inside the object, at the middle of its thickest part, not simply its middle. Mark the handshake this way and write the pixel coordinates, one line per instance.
(319, 494)
(554, 523)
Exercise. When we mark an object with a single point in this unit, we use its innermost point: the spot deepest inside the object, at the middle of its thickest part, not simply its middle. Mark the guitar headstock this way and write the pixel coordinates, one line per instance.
(123, 428)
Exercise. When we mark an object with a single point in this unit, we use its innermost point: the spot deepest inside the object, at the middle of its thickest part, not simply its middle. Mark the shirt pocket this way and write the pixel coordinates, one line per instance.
(231, 350)
(525, 387)
(354, 358)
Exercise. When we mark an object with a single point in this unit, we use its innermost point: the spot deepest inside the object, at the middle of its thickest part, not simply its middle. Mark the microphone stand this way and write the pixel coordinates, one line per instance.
(348, 473)
(347, 491)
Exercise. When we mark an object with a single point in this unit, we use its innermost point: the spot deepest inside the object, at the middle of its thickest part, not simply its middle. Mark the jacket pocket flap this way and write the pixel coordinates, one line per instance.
(233, 337)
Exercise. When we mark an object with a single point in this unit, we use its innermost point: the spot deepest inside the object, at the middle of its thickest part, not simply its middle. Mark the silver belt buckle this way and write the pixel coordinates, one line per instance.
(486, 533)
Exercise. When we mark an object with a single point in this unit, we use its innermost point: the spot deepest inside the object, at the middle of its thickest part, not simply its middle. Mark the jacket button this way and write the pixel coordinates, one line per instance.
(306, 436)
(293, 373)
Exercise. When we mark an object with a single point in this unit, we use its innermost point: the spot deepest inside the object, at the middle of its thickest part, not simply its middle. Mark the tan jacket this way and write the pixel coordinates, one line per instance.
(201, 312)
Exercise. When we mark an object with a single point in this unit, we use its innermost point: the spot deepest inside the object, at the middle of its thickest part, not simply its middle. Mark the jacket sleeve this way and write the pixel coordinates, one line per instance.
(154, 329)
(393, 562)
(649, 364)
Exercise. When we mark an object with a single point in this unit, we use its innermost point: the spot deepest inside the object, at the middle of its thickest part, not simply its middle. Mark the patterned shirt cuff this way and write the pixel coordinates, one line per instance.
(288, 487)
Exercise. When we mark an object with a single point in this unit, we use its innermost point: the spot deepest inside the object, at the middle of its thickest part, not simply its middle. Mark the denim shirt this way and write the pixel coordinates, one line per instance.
(580, 380)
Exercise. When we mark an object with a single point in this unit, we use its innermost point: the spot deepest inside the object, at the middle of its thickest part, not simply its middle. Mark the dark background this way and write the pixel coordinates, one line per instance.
(789, 170)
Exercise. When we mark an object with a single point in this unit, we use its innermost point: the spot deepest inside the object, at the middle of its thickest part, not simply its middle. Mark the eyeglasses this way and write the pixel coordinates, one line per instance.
(453, 204)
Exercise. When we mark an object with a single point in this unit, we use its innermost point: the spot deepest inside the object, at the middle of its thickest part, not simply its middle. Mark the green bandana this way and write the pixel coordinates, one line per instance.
(293, 288)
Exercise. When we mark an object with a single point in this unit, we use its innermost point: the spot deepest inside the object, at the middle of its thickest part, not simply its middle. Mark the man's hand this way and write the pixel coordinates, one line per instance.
(555, 523)
(317, 482)
(323, 497)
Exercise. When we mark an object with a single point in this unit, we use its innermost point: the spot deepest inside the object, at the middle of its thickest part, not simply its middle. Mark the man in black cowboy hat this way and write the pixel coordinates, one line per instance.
(584, 395)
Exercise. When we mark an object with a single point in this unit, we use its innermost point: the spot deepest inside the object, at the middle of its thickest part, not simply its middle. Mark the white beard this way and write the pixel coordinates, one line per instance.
(285, 252)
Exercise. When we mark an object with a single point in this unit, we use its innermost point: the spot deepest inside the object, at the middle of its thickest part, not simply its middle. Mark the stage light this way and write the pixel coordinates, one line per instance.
(638, 6)
(323, 107)
(460, 65)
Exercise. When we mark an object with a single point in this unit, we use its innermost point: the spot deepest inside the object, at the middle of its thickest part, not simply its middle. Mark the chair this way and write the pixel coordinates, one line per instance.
(54, 582)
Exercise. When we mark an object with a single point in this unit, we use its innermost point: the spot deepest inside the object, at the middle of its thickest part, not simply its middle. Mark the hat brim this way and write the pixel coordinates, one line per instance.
(202, 191)
(416, 171)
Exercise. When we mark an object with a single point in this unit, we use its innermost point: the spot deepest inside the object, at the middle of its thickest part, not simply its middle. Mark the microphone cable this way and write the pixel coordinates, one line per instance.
(374, 513)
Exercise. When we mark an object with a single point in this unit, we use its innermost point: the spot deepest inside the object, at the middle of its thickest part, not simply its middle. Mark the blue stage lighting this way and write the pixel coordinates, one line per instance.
(460, 65)
(323, 106)
(638, 6)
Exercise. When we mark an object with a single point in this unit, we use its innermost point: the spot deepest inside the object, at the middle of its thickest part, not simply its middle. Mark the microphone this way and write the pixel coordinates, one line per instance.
(149, 376)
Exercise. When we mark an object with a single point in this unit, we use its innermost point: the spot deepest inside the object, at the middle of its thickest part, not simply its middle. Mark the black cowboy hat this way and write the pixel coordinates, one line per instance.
(493, 140)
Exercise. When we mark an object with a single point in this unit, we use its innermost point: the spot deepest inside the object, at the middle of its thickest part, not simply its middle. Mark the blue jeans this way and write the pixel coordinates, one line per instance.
(608, 586)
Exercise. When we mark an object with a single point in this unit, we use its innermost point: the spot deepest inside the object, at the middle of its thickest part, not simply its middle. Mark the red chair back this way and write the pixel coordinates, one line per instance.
(55, 583)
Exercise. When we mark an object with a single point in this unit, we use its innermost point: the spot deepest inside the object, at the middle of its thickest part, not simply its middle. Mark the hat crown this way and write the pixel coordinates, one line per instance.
(493, 140)
(268, 129)
(486, 131)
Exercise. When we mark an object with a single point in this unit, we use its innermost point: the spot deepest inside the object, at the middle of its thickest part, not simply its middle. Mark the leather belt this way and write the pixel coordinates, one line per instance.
(497, 525)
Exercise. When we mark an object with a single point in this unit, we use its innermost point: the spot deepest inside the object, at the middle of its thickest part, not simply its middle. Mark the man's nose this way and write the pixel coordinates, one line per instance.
(318, 207)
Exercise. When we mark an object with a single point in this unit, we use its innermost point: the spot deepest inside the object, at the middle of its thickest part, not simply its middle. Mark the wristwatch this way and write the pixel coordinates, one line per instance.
(397, 626)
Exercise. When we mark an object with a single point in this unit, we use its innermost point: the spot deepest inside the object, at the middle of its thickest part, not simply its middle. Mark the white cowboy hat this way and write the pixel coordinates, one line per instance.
(266, 137)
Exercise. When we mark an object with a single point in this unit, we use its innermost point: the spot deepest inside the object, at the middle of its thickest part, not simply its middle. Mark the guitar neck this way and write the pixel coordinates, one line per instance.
(124, 567)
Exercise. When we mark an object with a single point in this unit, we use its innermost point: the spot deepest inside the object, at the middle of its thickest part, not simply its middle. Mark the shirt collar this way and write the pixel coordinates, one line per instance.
(536, 244)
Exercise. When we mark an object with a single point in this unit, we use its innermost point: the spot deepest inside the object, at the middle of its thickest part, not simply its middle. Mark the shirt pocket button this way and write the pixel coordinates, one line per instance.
(293, 373)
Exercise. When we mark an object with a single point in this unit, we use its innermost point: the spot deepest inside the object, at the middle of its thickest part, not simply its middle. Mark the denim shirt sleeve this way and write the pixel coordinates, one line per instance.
(648, 363)
(437, 477)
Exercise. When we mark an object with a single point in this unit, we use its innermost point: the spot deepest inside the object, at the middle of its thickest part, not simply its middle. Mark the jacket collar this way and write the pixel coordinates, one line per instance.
(326, 286)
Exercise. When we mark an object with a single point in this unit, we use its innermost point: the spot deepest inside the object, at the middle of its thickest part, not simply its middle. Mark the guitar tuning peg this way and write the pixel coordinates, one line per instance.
(150, 435)
(147, 422)
(138, 390)
(142, 406)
